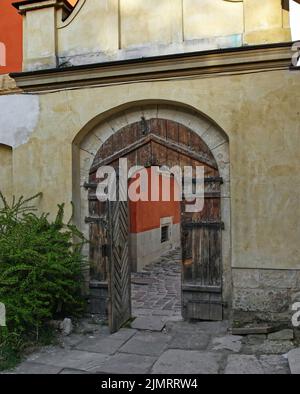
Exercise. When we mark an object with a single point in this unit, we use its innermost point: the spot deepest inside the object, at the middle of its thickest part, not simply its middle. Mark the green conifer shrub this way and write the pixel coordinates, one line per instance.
(40, 270)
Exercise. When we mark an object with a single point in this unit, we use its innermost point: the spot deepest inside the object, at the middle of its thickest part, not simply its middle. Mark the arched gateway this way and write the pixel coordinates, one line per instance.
(158, 136)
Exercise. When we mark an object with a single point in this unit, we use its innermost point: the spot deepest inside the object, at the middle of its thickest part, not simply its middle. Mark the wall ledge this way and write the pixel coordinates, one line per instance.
(200, 64)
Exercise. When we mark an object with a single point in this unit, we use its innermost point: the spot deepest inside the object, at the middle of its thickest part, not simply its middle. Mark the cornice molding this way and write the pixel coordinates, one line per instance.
(201, 65)
(31, 5)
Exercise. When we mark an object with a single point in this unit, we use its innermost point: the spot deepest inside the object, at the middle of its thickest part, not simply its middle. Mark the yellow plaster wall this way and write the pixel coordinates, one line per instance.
(98, 31)
(206, 18)
(39, 39)
(155, 21)
(265, 22)
(93, 27)
(262, 15)
(258, 113)
(6, 175)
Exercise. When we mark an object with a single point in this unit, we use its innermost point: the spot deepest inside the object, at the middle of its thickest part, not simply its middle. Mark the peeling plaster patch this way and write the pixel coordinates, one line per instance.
(18, 118)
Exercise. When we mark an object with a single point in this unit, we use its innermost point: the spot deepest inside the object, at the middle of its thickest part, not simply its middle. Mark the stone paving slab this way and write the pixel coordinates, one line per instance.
(189, 341)
(67, 371)
(268, 347)
(126, 364)
(33, 368)
(243, 365)
(257, 365)
(181, 348)
(294, 361)
(147, 343)
(106, 344)
(101, 345)
(230, 342)
(72, 359)
(274, 365)
(124, 334)
(152, 323)
(184, 362)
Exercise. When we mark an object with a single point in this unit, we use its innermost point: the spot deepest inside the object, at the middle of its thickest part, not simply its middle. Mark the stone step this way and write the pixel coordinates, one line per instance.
(283, 335)
(253, 330)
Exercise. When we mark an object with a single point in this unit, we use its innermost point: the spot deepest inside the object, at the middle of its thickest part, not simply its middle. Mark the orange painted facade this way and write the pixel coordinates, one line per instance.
(147, 215)
(11, 37)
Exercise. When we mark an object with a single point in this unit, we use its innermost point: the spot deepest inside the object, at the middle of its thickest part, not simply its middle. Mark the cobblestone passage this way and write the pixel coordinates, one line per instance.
(156, 291)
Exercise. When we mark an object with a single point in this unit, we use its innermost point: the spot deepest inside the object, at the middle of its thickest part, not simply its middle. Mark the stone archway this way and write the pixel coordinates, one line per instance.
(211, 135)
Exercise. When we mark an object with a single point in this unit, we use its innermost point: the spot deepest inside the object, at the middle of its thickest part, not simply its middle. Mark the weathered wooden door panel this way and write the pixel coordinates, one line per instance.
(99, 238)
(109, 253)
(119, 266)
(98, 262)
(201, 257)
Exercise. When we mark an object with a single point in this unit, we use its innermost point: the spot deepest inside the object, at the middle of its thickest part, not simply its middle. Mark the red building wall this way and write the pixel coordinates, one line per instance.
(11, 36)
(146, 215)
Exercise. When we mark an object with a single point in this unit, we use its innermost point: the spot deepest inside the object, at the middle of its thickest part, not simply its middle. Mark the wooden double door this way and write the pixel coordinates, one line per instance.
(156, 142)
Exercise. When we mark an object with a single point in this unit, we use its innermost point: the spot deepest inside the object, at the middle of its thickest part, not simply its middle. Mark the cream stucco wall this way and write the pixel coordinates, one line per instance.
(144, 22)
(134, 28)
(6, 173)
(256, 112)
(40, 40)
(206, 18)
(77, 37)
(105, 30)
(265, 22)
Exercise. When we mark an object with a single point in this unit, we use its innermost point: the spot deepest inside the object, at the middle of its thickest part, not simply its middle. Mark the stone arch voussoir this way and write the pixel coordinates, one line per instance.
(214, 137)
